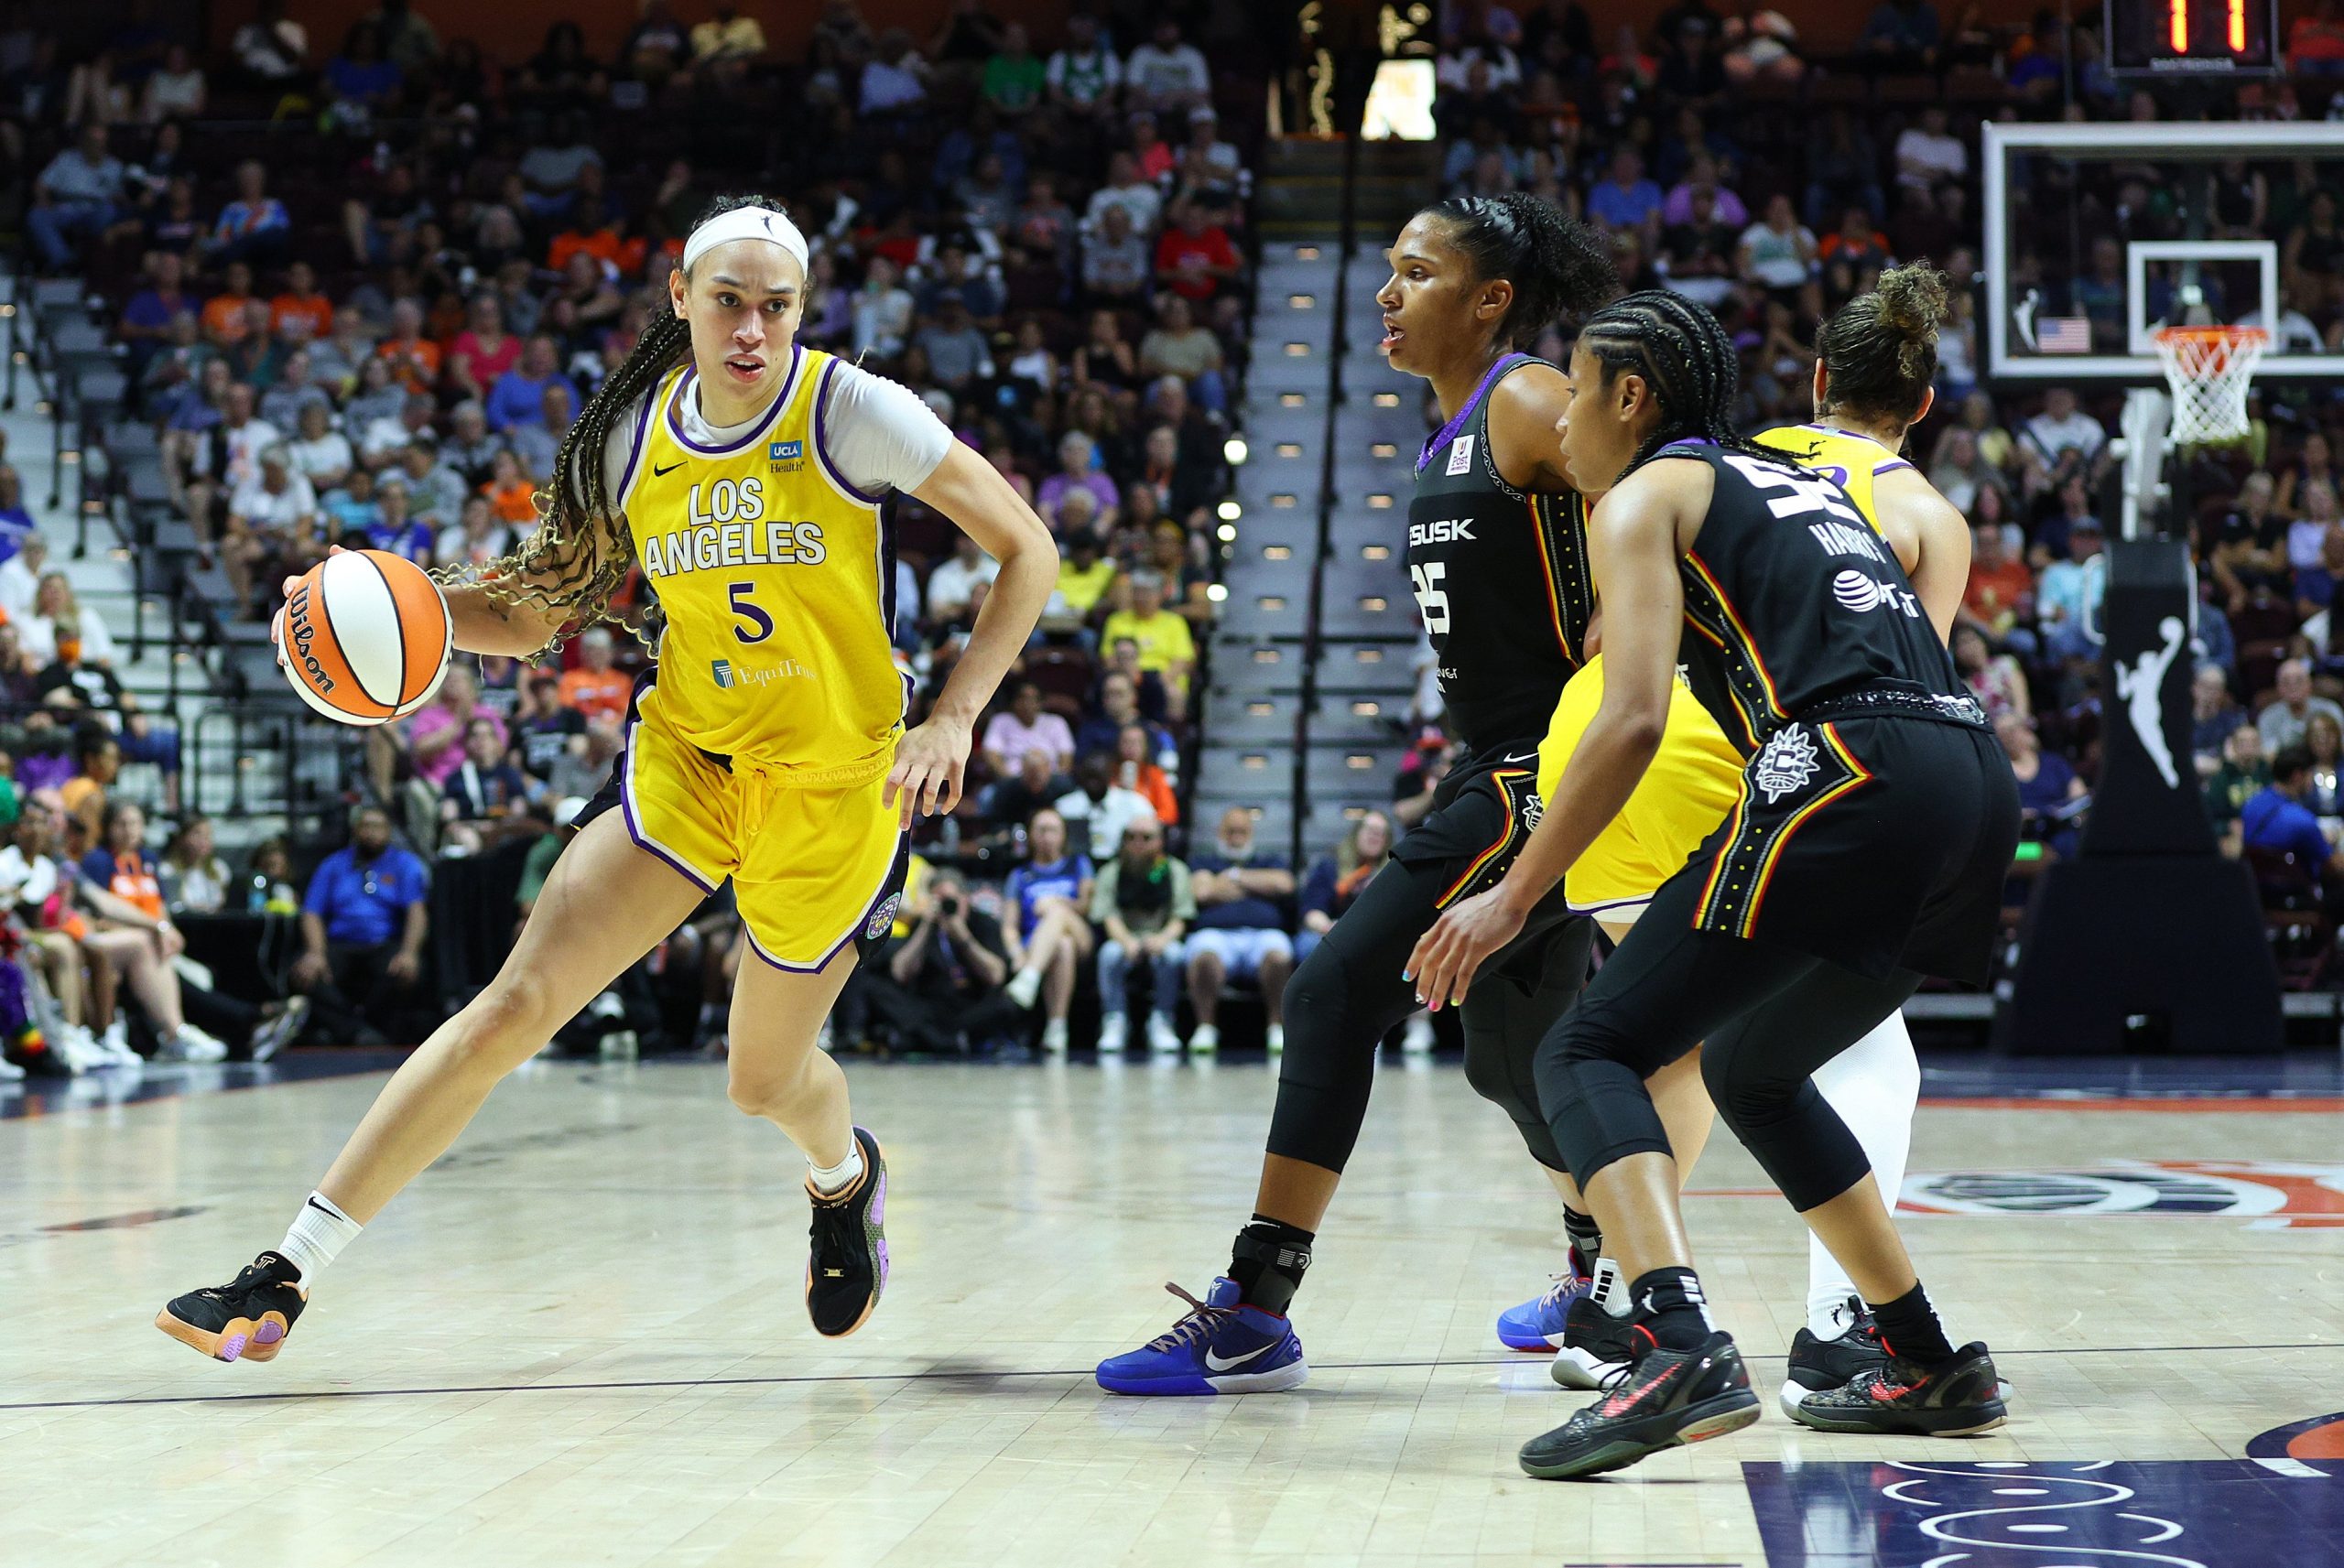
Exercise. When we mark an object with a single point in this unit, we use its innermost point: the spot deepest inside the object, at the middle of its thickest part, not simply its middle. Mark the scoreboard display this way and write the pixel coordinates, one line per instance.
(2186, 37)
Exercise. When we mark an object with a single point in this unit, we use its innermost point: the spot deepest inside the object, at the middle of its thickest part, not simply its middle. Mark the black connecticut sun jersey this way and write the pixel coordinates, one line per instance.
(1502, 579)
(1792, 601)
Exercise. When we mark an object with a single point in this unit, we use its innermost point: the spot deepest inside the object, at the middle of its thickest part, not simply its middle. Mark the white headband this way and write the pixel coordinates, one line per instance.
(747, 224)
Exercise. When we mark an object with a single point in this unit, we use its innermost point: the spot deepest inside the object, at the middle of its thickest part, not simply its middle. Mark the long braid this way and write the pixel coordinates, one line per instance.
(582, 550)
(1685, 357)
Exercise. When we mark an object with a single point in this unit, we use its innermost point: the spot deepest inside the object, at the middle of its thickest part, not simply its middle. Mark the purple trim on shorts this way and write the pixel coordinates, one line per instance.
(821, 452)
(1448, 432)
(780, 402)
(634, 458)
(634, 831)
(852, 932)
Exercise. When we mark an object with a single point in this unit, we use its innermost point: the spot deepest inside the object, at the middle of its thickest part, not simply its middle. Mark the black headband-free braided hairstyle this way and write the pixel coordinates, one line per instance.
(1559, 267)
(1685, 359)
(580, 553)
(1881, 348)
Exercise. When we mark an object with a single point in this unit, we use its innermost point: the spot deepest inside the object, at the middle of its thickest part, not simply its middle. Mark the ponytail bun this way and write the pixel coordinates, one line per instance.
(1881, 348)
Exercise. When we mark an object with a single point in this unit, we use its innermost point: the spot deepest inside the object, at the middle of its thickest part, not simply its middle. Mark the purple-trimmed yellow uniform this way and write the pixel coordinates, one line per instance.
(758, 749)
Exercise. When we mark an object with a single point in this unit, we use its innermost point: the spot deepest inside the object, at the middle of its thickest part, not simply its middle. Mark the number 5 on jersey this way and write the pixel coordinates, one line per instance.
(1432, 599)
(759, 624)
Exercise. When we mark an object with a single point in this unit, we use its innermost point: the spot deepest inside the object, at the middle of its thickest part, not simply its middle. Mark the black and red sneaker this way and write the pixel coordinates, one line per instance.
(1662, 1398)
(246, 1319)
(847, 1266)
(1959, 1399)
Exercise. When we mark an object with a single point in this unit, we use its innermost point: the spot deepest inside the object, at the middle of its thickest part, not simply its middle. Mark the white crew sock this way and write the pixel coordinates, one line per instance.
(1873, 1085)
(318, 1231)
(832, 1180)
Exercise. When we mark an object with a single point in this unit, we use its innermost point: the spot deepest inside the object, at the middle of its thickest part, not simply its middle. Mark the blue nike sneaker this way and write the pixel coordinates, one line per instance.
(1219, 1347)
(1538, 1323)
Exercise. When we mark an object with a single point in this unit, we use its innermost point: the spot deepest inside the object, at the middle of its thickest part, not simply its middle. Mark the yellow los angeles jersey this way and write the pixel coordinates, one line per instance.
(1851, 460)
(777, 583)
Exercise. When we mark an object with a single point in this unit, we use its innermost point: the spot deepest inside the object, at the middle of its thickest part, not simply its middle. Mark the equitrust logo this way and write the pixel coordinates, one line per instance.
(730, 676)
(301, 632)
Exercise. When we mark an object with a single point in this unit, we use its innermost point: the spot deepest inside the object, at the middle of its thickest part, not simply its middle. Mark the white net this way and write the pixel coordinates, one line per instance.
(2210, 370)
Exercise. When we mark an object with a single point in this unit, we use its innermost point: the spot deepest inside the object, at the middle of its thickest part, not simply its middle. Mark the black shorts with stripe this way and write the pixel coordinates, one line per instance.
(1875, 842)
(1480, 817)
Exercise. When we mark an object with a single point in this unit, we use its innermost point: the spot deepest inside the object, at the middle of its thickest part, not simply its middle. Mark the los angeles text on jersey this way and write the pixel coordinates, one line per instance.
(727, 527)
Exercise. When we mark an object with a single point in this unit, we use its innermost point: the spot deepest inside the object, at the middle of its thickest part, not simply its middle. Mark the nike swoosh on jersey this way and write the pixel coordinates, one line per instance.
(1215, 1364)
(1523, 757)
(663, 473)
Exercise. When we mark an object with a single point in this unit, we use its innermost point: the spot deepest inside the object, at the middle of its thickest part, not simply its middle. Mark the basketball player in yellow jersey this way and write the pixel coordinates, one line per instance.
(744, 472)
(1877, 357)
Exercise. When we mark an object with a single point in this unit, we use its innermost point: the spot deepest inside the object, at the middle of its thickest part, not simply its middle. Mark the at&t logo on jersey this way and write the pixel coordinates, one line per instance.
(1788, 762)
(1860, 592)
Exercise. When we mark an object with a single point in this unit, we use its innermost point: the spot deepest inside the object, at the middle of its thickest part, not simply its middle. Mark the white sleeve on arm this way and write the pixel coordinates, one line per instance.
(618, 453)
(877, 433)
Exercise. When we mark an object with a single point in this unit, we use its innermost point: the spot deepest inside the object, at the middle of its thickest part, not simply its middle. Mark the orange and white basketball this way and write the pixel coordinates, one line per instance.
(364, 637)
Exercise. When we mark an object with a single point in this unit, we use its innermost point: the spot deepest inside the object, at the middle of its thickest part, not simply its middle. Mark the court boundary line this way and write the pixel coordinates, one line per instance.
(781, 1379)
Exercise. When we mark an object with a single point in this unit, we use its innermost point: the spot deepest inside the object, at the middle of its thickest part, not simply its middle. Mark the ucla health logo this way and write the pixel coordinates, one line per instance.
(784, 456)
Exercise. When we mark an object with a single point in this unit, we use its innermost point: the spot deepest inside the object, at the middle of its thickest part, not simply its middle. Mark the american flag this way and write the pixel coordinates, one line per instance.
(2063, 335)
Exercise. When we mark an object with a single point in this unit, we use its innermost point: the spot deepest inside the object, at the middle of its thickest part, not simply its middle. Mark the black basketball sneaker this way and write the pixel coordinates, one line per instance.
(1660, 1399)
(246, 1319)
(1599, 1336)
(1957, 1399)
(848, 1266)
(1820, 1365)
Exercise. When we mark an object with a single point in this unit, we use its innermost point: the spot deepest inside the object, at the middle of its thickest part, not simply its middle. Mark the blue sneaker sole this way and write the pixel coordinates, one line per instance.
(1276, 1380)
(1514, 1338)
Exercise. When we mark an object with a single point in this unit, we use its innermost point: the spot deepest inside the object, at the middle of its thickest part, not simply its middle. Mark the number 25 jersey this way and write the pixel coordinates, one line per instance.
(777, 578)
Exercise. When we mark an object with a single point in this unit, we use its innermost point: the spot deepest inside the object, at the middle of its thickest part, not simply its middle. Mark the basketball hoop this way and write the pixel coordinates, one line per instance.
(2210, 369)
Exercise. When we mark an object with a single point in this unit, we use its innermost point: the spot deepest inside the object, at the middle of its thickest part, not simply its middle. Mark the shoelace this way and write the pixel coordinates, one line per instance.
(1199, 1320)
(1563, 1286)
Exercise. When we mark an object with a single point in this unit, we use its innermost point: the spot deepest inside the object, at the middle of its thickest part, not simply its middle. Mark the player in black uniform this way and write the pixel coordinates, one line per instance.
(1876, 825)
(1499, 573)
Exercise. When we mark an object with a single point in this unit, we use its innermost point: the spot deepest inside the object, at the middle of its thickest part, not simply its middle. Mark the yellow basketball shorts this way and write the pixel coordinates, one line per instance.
(812, 868)
(1694, 780)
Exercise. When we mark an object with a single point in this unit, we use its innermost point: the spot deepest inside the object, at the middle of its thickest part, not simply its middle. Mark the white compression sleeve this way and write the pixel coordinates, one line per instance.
(1874, 1085)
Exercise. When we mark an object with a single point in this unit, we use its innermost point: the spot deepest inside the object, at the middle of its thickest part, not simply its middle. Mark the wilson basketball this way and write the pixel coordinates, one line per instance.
(364, 637)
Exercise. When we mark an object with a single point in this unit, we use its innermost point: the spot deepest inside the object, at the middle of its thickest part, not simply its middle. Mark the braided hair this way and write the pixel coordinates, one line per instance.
(1881, 348)
(582, 550)
(1557, 264)
(1687, 360)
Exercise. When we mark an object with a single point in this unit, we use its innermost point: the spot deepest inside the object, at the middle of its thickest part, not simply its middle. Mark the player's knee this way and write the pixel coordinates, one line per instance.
(1746, 1095)
(505, 1024)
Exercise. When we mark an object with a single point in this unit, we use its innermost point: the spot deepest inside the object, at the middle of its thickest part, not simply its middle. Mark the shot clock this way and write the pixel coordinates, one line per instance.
(2193, 38)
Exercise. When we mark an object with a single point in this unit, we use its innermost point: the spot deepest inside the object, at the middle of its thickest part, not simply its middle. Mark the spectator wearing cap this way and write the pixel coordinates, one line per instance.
(596, 687)
(2067, 599)
(958, 353)
(362, 925)
(1239, 933)
(517, 396)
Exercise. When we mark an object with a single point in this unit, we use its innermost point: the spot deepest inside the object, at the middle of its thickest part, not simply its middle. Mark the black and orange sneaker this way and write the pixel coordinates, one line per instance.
(848, 1266)
(246, 1319)
(1662, 1398)
(1959, 1399)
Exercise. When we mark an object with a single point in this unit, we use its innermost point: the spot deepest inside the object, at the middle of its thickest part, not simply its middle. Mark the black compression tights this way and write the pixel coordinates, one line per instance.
(1348, 994)
(1770, 1015)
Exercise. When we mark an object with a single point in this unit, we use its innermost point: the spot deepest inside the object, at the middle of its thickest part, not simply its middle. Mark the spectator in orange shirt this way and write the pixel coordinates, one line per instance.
(414, 358)
(1137, 771)
(301, 301)
(510, 492)
(594, 688)
(592, 231)
(2000, 593)
(1852, 255)
(223, 313)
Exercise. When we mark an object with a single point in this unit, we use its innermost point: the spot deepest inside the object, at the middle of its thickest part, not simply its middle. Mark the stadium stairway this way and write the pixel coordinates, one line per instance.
(1315, 653)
